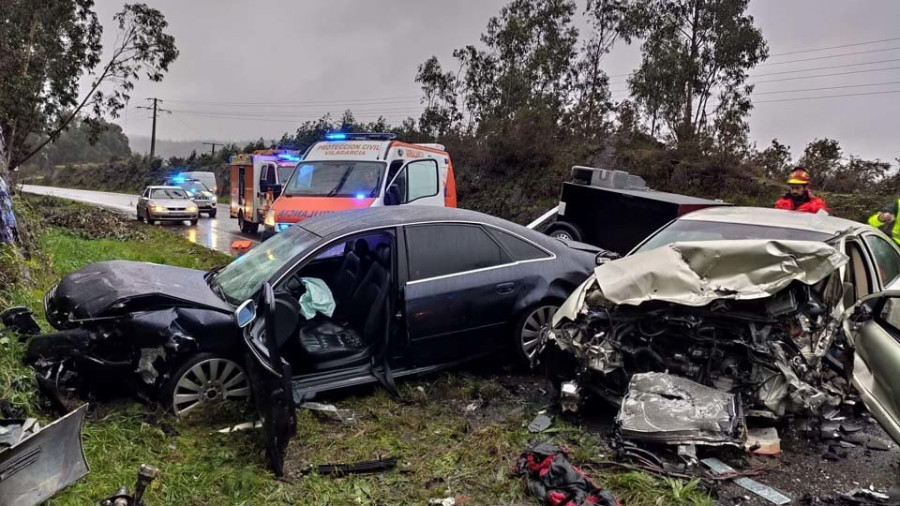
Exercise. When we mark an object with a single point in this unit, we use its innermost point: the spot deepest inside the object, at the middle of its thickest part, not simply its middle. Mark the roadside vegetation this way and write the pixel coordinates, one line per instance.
(455, 435)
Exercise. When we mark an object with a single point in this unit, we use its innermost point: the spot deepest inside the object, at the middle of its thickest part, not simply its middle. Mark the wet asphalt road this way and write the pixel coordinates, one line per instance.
(215, 233)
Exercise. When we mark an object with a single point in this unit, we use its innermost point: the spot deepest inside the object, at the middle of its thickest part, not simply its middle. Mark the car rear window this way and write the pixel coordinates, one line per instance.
(697, 230)
(520, 249)
(442, 249)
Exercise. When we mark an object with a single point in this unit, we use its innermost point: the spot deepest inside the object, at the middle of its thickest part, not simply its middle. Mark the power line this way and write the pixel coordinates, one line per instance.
(825, 96)
(306, 102)
(828, 67)
(818, 58)
(830, 56)
(854, 72)
(835, 47)
(829, 88)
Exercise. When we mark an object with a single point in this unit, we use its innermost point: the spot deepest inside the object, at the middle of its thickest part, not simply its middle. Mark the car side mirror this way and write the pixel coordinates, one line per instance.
(245, 314)
(604, 256)
(276, 189)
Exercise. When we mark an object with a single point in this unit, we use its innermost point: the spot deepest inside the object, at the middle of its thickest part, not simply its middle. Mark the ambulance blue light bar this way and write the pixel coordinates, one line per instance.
(355, 136)
(291, 157)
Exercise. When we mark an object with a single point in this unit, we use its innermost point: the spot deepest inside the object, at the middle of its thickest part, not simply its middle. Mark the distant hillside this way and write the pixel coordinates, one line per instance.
(167, 148)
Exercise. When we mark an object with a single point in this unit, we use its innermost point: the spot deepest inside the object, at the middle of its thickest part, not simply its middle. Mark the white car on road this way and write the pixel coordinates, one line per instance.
(166, 203)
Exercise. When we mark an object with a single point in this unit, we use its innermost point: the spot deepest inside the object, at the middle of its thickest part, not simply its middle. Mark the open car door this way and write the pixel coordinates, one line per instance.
(270, 377)
(875, 324)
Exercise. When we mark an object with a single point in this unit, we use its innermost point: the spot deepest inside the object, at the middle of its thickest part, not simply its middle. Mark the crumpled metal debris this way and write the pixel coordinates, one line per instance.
(540, 423)
(145, 366)
(345, 416)
(766, 492)
(670, 409)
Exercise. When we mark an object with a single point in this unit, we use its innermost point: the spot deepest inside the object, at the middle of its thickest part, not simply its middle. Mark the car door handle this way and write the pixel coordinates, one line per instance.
(505, 288)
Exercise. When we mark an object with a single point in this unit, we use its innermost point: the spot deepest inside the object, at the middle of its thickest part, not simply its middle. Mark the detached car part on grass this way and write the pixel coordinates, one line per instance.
(756, 318)
(38, 465)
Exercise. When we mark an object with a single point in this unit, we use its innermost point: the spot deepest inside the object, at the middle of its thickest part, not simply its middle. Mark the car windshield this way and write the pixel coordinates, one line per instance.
(696, 230)
(284, 172)
(193, 186)
(240, 279)
(336, 179)
(167, 193)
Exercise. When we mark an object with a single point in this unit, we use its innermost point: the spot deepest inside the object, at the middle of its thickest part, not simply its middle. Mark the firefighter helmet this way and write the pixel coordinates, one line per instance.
(799, 176)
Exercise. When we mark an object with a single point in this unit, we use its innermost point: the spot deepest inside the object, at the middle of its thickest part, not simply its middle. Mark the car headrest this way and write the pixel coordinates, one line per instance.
(361, 248)
(383, 254)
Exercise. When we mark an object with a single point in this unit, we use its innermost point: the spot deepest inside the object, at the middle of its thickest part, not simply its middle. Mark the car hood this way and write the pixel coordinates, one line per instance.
(698, 273)
(91, 291)
(172, 202)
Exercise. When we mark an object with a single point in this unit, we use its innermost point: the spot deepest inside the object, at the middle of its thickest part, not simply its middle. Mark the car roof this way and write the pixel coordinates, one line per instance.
(767, 217)
(346, 222)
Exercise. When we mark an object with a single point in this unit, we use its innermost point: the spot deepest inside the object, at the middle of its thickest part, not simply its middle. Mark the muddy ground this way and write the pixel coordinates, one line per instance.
(801, 470)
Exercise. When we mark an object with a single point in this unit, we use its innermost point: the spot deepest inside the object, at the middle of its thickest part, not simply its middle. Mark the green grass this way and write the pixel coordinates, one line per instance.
(443, 449)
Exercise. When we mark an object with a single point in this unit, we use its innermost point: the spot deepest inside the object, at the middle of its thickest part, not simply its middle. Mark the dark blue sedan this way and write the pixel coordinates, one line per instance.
(410, 290)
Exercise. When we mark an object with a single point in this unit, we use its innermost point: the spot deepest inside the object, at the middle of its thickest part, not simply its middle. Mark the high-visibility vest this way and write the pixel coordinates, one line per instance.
(895, 229)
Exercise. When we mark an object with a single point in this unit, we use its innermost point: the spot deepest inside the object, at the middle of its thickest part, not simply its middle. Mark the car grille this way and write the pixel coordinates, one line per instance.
(176, 208)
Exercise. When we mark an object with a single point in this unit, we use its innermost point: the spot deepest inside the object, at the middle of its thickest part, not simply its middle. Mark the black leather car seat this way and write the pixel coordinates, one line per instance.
(350, 273)
(332, 343)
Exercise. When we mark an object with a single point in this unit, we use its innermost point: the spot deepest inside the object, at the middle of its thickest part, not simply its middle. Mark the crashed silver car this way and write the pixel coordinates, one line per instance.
(726, 300)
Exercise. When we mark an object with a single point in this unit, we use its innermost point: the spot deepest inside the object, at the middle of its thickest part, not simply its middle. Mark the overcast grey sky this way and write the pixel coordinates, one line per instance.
(257, 69)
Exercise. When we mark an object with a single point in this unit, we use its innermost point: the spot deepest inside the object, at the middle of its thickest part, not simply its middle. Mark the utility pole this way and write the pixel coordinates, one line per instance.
(155, 110)
(213, 144)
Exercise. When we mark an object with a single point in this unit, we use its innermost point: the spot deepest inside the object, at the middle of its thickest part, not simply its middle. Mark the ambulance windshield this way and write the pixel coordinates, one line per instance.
(336, 179)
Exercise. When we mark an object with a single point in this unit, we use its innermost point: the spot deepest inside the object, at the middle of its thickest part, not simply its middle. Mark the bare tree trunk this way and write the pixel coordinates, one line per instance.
(687, 126)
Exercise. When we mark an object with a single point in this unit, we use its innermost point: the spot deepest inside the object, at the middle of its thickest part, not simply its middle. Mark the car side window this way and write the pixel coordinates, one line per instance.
(422, 178)
(857, 274)
(886, 258)
(520, 249)
(418, 179)
(442, 249)
(890, 313)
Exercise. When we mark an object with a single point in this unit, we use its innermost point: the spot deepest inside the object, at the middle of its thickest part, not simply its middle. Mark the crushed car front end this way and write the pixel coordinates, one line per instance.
(128, 324)
(757, 319)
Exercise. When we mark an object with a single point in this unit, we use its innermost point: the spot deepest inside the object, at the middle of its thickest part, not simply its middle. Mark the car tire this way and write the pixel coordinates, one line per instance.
(246, 226)
(147, 217)
(137, 215)
(564, 231)
(212, 214)
(526, 332)
(203, 380)
(194, 221)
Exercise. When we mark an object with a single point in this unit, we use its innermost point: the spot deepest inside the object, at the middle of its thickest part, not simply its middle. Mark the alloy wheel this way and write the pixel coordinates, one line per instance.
(207, 382)
(530, 334)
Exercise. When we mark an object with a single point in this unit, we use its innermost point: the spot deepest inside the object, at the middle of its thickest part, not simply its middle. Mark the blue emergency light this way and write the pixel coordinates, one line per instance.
(288, 156)
(360, 196)
(179, 179)
(283, 226)
(336, 136)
